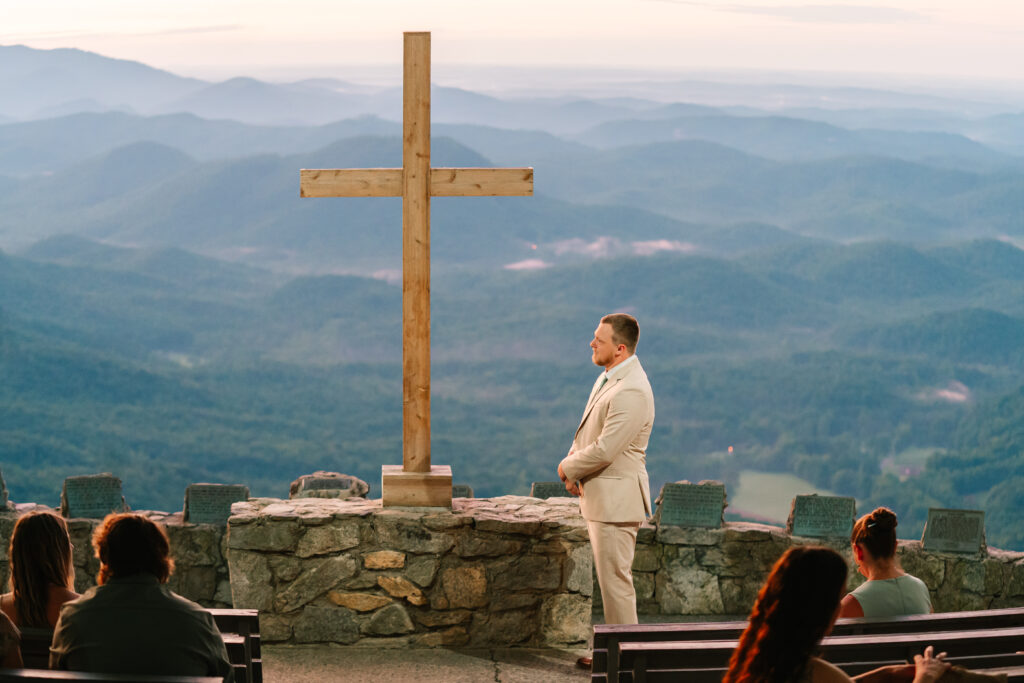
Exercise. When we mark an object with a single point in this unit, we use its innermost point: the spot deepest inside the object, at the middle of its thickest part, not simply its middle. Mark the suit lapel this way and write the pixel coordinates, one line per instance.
(614, 382)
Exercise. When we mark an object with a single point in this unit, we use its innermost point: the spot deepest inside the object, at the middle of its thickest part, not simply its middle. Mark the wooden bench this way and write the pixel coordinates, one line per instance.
(240, 629)
(1015, 674)
(245, 623)
(35, 647)
(607, 637)
(983, 648)
(23, 675)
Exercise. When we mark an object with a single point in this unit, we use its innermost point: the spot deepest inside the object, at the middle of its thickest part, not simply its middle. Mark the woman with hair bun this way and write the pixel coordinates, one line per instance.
(889, 591)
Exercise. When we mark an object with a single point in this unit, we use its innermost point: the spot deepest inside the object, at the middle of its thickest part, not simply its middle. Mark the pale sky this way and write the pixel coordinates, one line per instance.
(952, 38)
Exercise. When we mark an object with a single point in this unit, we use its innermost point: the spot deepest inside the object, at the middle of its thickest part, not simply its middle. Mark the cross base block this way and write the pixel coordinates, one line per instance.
(416, 489)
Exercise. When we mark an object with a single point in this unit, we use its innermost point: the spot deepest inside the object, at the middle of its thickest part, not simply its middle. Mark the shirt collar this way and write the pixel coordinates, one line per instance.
(616, 370)
(141, 577)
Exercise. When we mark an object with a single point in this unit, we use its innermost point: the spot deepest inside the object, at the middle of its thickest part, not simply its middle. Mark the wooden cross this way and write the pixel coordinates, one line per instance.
(416, 482)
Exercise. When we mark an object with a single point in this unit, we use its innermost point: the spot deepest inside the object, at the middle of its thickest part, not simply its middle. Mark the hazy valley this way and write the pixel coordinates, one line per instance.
(835, 293)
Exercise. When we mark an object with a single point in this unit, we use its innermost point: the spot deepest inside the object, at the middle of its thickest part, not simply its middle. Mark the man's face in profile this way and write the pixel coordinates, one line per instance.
(603, 347)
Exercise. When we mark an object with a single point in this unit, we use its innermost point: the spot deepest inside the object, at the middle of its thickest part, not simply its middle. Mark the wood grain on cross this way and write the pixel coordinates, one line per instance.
(418, 482)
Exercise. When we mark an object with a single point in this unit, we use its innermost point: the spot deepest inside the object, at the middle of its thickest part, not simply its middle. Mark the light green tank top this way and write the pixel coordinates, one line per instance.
(893, 597)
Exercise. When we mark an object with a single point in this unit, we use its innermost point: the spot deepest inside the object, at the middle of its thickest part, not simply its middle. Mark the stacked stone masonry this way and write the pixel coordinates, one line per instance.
(501, 571)
(198, 550)
(719, 571)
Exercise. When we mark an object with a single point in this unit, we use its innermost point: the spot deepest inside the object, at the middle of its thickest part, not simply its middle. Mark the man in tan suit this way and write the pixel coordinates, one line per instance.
(605, 465)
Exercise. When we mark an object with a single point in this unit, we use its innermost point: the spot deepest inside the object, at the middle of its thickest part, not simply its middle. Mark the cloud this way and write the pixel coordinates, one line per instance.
(602, 247)
(607, 247)
(654, 246)
(954, 392)
(528, 264)
(819, 14)
(392, 276)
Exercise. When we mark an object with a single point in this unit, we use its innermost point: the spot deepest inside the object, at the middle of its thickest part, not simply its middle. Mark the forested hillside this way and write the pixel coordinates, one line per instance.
(167, 368)
(833, 293)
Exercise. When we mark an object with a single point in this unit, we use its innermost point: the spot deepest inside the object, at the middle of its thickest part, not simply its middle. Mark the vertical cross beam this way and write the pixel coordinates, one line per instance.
(417, 482)
(416, 254)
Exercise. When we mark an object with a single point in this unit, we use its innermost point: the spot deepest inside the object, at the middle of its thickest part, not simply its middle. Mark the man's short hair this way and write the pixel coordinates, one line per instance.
(625, 329)
(129, 544)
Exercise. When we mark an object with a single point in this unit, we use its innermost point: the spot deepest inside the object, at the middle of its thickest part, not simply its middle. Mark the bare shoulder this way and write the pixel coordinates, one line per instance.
(60, 594)
(8, 631)
(850, 607)
(825, 672)
(7, 604)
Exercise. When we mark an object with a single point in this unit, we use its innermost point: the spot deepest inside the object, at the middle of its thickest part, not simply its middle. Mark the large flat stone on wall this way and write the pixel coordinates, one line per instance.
(489, 572)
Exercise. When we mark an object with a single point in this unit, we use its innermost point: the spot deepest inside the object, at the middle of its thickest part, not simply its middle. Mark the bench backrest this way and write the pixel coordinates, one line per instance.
(43, 675)
(608, 636)
(240, 629)
(35, 647)
(245, 623)
(983, 645)
(1014, 674)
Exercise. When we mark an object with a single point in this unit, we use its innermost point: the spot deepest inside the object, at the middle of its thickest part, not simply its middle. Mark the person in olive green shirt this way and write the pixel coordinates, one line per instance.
(132, 623)
(889, 591)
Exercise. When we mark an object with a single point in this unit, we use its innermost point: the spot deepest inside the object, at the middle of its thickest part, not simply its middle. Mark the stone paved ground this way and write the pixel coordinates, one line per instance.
(327, 663)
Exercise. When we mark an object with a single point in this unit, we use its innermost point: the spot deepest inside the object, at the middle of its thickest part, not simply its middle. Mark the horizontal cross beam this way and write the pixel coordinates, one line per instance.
(444, 182)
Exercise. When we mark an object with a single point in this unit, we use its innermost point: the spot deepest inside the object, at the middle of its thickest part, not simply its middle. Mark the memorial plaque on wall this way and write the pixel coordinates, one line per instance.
(956, 531)
(691, 505)
(211, 503)
(92, 496)
(549, 489)
(462, 491)
(822, 516)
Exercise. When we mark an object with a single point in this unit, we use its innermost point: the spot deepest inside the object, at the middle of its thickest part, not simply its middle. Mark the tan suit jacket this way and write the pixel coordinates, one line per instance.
(608, 453)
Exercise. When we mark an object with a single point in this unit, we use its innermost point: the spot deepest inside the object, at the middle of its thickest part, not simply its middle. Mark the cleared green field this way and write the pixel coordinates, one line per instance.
(767, 495)
(909, 463)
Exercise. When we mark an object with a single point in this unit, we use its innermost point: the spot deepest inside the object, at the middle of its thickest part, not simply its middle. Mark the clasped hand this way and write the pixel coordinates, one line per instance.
(572, 487)
(927, 668)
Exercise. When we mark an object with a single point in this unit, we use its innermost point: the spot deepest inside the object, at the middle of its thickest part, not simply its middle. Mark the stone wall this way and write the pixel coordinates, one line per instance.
(719, 571)
(500, 571)
(200, 560)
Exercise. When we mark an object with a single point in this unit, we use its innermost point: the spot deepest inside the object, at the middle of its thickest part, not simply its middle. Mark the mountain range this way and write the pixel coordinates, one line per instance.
(827, 289)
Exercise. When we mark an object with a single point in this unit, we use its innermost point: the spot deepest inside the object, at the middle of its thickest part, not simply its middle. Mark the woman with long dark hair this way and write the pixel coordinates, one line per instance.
(889, 591)
(42, 573)
(794, 610)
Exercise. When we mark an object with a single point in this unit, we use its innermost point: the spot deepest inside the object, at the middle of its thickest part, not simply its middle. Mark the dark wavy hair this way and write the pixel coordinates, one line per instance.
(876, 532)
(40, 557)
(129, 544)
(793, 611)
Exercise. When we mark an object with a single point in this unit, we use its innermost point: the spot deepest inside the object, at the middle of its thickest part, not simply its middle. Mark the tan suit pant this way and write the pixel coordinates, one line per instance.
(614, 544)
